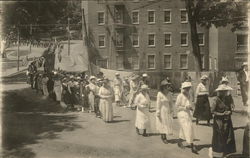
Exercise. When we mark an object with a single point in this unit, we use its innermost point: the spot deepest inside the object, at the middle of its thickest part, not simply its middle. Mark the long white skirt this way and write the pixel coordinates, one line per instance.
(118, 93)
(165, 125)
(45, 90)
(58, 92)
(186, 126)
(142, 118)
(106, 109)
(91, 98)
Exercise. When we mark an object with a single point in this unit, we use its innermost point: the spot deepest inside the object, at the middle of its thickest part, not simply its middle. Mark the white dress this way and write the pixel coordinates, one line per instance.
(105, 104)
(118, 89)
(164, 107)
(185, 118)
(58, 89)
(132, 92)
(142, 113)
(91, 96)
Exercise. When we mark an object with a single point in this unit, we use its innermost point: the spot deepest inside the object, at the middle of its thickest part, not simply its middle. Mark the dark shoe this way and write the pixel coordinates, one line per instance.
(164, 139)
(193, 149)
(180, 145)
(197, 122)
(144, 133)
(137, 131)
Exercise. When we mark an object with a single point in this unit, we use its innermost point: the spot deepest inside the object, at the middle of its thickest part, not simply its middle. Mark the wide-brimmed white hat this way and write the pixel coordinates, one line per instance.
(144, 87)
(204, 77)
(223, 87)
(244, 64)
(144, 75)
(224, 79)
(92, 77)
(186, 85)
(117, 74)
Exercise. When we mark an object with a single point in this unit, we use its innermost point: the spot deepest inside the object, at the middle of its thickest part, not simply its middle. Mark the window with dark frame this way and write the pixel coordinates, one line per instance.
(201, 39)
(167, 41)
(151, 39)
(183, 61)
(103, 63)
(101, 40)
(242, 42)
(135, 40)
(151, 61)
(184, 39)
(167, 61)
(167, 16)
(151, 16)
(184, 16)
(135, 17)
(101, 18)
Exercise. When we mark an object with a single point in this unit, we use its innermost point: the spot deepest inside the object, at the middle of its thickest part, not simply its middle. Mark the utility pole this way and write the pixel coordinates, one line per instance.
(68, 36)
(18, 45)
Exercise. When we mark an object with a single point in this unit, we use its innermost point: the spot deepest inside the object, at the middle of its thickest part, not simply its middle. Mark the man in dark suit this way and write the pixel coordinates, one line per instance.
(243, 79)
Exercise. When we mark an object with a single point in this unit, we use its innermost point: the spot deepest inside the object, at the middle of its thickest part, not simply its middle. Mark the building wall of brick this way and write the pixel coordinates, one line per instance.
(143, 28)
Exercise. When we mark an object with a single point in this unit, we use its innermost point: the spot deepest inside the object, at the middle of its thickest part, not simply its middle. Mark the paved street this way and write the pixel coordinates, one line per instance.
(34, 128)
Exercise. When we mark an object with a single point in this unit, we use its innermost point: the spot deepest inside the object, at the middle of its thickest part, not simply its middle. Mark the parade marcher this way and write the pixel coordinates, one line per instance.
(32, 70)
(243, 78)
(225, 81)
(45, 80)
(39, 83)
(71, 93)
(92, 89)
(184, 107)
(142, 102)
(223, 140)
(83, 95)
(105, 104)
(246, 138)
(202, 107)
(133, 90)
(164, 110)
(50, 86)
(118, 89)
(58, 88)
(97, 98)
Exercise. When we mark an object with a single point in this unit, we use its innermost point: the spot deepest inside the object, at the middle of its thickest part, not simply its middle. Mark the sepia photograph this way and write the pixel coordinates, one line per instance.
(124, 78)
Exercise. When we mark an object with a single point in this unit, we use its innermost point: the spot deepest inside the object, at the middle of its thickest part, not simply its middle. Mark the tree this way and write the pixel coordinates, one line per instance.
(212, 12)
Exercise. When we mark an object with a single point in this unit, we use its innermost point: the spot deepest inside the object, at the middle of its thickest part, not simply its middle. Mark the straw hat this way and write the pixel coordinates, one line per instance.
(223, 87)
(92, 77)
(117, 74)
(144, 87)
(244, 64)
(144, 75)
(204, 77)
(186, 85)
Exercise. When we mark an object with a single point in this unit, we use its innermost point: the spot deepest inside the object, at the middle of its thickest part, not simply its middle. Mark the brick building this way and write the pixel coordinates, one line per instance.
(142, 35)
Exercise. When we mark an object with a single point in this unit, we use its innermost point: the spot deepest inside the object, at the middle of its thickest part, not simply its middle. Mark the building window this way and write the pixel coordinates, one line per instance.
(103, 63)
(101, 40)
(242, 42)
(184, 39)
(167, 16)
(135, 40)
(118, 14)
(151, 16)
(101, 18)
(167, 61)
(183, 61)
(151, 40)
(119, 39)
(167, 39)
(119, 63)
(184, 16)
(151, 61)
(201, 39)
(134, 62)
(135, 17)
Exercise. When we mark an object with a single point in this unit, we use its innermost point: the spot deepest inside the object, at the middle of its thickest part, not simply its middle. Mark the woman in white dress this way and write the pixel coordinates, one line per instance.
(106, 95)
(184, 114)
(58, 88)
(92, 88)
(45, 80)
(142, 101)
(164, 110)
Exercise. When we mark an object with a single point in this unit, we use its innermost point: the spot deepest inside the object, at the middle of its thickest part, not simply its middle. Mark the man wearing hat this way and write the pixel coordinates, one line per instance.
(118, 88)
(243, 79)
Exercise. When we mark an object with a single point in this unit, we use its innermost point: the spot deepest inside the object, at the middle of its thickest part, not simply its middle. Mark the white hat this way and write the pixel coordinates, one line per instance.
(223, 87)
(71, 76)
(224, 79)
(117, 74)
(92, 77)
(186, 85)
(55, 72)
(204, 77)
(145, 75)
(244, 64)
(144, 87)
(78, 78)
